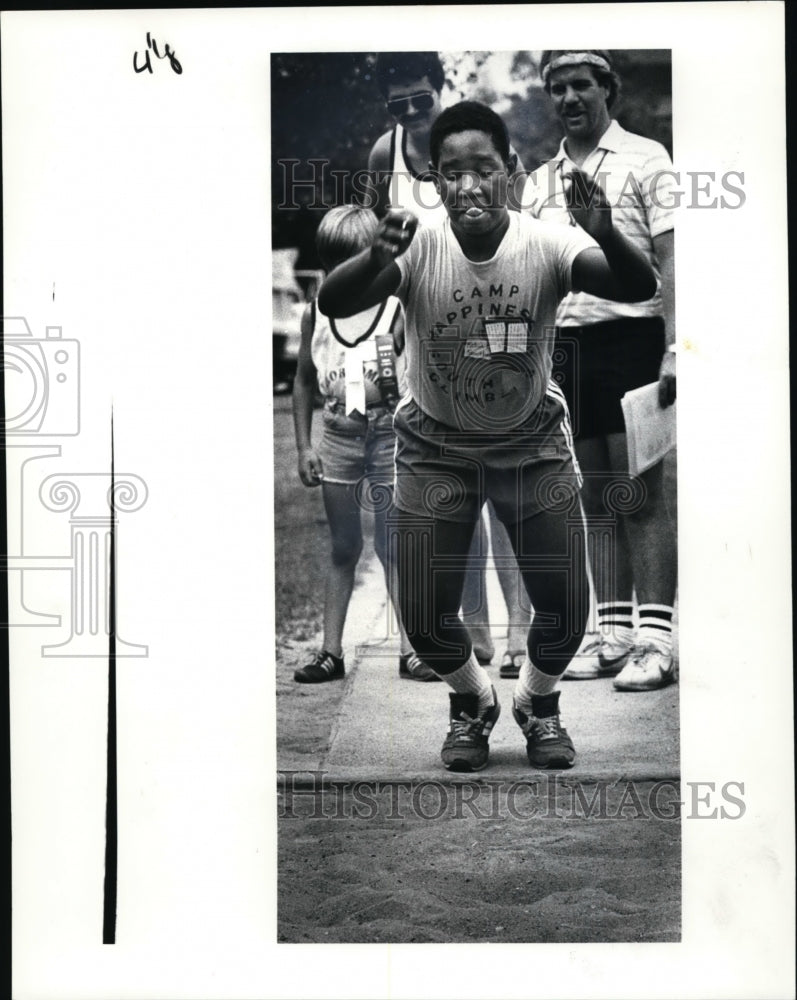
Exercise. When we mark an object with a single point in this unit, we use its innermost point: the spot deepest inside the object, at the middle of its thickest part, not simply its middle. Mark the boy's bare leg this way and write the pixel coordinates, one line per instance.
(432, 559)
(518, 617)
(391, 575)
(475, 611)
(431, 562)
(343, 515)
(559, 594)
(560, 598)
(603, 496)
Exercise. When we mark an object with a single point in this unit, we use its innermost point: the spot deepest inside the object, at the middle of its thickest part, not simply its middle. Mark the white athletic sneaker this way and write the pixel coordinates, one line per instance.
(600, 657)
(648, 669)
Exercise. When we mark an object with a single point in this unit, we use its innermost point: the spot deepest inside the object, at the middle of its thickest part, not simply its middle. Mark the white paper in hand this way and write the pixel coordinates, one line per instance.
(650, 430)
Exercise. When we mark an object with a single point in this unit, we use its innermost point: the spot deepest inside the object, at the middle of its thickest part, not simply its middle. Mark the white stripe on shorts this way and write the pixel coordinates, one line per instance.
(405, 399)
(555, 392)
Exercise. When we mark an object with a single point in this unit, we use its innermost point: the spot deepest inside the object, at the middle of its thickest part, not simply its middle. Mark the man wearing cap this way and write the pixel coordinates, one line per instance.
(610, 348)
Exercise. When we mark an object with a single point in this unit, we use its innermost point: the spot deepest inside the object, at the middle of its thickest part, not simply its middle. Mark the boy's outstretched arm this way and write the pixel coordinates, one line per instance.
(619, 270)
(372, 275)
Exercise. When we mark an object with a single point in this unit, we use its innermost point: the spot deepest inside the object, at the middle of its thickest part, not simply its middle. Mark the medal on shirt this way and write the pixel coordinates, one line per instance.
(355, 361)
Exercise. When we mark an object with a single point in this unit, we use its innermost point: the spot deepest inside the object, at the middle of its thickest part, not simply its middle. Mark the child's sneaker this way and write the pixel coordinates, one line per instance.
(602, 657)
(465, 747)
(324, 667)
(412, 667)
(548, 744)
(649, 668)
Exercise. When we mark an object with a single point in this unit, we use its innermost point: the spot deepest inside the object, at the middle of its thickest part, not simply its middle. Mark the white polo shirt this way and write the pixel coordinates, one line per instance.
(637, 176)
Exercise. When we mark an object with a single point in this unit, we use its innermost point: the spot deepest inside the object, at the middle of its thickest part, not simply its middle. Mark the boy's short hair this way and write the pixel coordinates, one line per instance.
(464, 117)
(343, 232)
(403, 67)
(606, 77)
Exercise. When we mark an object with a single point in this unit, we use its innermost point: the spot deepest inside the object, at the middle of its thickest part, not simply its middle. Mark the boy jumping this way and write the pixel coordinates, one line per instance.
(482, 417)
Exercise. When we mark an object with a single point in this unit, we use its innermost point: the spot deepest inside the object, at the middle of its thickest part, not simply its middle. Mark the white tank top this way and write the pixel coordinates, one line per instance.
(351, 374)
(408, 190)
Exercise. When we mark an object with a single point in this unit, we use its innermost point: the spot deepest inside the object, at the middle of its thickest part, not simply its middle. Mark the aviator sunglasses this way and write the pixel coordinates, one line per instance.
(422, 101)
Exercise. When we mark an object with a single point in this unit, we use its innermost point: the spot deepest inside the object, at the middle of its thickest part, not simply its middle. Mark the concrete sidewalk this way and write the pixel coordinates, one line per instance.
(390, 728)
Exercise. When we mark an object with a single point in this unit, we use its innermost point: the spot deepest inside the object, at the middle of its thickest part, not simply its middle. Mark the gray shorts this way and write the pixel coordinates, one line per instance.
(448, 474)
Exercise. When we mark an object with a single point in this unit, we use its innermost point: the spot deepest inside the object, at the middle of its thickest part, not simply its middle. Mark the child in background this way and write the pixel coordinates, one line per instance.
(360, 391)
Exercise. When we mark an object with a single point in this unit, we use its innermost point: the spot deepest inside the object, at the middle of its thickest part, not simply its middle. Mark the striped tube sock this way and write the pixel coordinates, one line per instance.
(655, 626)
(616, 622)
(471, 679)
(532, 682)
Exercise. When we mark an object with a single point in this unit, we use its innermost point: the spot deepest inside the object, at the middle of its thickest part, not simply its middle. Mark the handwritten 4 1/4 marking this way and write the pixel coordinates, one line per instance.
(152, 46)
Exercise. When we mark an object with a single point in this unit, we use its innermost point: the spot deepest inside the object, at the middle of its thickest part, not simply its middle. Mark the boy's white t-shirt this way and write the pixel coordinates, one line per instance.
(479, 334)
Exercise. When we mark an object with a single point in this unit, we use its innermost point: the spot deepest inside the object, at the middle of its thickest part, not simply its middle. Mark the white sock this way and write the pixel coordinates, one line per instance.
(533, 682)
(655, 626)
(470, 678)
(616, 622)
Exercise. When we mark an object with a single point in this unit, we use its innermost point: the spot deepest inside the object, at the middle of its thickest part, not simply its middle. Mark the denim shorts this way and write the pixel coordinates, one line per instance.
(353, 446)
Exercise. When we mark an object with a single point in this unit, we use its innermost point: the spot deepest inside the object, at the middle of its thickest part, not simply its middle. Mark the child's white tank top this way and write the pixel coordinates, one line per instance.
(351, 374)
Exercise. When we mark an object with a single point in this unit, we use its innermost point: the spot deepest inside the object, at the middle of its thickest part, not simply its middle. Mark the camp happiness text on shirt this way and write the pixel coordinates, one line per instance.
(483, 350)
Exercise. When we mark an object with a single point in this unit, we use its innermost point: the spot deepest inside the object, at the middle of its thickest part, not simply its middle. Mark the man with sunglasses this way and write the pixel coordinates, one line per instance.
(398, 165)
(399, 178)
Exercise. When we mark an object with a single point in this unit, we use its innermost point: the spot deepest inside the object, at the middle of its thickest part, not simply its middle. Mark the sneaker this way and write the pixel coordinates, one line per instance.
(648, 669)
(324, 667)
(465, 747)
(601, 657)
(548, 744)
(511, 664)
(412, 667)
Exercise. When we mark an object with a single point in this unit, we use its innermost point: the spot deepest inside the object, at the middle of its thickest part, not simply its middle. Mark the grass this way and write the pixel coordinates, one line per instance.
(301, 537)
